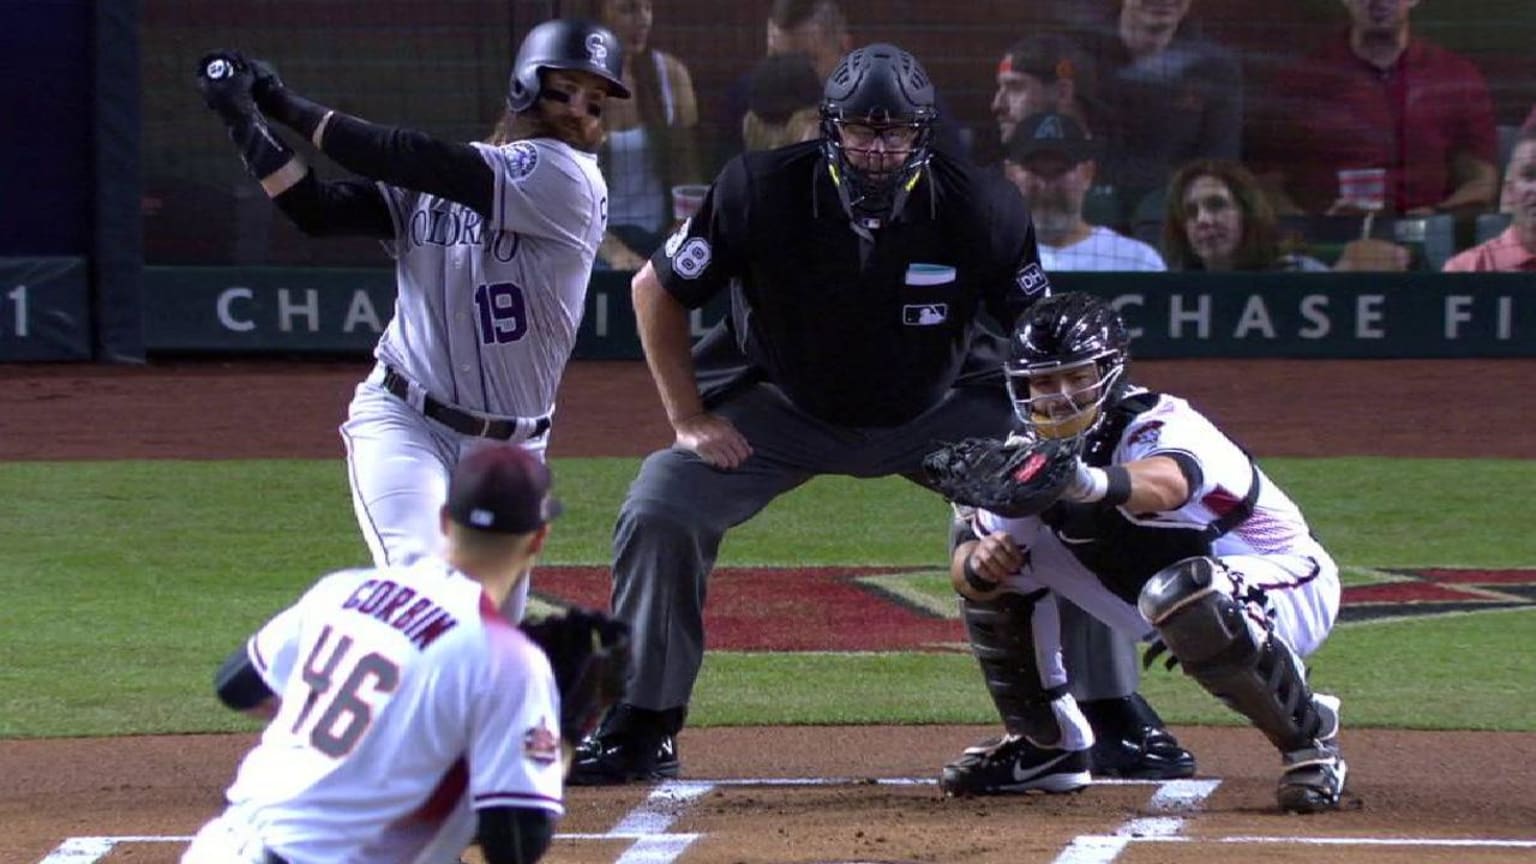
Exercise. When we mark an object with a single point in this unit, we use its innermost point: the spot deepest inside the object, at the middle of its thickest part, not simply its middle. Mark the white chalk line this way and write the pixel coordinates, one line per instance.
(647, 827)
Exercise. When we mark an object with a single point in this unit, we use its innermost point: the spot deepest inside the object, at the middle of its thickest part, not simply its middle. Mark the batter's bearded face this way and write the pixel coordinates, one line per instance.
(572, 104)
(1213, 221)
(877, 149)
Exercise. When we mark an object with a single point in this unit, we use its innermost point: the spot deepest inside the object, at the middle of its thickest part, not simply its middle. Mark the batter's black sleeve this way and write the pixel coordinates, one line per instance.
(411, 160)
(514, 835)
(336, 208)
(238, 684)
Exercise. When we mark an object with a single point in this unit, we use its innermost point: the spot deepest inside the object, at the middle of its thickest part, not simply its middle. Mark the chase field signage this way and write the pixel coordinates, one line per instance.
(244, 310)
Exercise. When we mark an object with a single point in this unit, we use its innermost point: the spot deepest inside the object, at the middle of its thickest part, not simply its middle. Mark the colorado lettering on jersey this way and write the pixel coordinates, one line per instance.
(422, 621)
(459, 226)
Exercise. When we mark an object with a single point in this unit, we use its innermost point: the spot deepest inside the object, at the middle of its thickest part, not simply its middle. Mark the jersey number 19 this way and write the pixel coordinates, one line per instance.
(503, 313)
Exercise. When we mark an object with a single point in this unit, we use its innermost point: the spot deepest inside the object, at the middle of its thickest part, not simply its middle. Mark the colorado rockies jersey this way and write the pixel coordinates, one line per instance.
(403, 689)
(487, 312)
(1225, 513)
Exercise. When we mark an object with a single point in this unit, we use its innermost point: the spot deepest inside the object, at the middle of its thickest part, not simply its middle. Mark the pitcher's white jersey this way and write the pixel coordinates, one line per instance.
(487, 312)
(403, 690)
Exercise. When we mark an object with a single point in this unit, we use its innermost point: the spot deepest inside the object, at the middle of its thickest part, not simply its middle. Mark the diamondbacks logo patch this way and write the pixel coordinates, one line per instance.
(521, 157)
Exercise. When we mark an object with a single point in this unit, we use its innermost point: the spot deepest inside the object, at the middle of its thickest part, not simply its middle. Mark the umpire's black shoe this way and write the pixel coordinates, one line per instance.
(632, 745)
(1131, 742)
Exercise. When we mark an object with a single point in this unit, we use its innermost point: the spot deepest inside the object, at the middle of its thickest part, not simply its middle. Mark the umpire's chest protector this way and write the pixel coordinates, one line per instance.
(862, 328)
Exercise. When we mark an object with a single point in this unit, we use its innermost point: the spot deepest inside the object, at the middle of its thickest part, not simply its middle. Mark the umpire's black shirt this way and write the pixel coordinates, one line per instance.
(855, 337)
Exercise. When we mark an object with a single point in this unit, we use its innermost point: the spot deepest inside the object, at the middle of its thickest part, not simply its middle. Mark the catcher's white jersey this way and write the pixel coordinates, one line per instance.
(487, 313)
(1283, 569)
(403, 690)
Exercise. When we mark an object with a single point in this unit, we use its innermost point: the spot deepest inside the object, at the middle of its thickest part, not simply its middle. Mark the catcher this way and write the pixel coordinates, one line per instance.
(1132, 505)
(408, 718)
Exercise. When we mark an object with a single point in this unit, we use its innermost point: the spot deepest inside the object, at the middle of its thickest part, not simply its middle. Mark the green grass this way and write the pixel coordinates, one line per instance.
(126, 582)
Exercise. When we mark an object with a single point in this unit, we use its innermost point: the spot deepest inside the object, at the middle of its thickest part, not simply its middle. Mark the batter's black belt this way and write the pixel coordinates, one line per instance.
(462, 422)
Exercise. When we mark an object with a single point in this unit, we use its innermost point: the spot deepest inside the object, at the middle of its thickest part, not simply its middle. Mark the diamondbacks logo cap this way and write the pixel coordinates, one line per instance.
(1049, 132)
(503, 489)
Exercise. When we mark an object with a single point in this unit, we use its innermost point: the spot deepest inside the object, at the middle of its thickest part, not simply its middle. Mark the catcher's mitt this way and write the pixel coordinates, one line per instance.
(589, 652)
(1013, 478)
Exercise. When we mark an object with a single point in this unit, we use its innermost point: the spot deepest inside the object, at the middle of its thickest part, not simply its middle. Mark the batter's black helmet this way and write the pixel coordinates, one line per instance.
(1060, 334)
(564, 43)
(882, 86)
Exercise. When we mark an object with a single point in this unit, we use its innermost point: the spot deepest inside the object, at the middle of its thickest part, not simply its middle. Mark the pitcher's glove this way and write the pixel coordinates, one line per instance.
(1013, 478)
(589, 652)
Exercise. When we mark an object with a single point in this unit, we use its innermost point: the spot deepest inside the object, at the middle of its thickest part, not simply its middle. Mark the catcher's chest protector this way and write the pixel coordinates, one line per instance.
(1122, 554)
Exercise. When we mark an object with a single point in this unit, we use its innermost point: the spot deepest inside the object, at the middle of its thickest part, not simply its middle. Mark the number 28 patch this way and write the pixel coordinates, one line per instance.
(691, 258)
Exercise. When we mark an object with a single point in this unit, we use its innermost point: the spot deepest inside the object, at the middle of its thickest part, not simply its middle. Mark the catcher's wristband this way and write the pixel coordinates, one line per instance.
(1110, 485)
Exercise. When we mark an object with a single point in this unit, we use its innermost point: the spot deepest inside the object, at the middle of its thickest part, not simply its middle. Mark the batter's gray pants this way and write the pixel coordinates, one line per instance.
(679, 508)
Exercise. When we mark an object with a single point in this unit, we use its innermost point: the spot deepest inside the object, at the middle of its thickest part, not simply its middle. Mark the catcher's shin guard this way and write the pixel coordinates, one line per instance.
(1002, 638)
(1243, 664)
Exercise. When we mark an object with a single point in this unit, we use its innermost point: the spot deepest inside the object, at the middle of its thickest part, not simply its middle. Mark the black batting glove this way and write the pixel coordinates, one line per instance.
(280, 103)
(225, 81)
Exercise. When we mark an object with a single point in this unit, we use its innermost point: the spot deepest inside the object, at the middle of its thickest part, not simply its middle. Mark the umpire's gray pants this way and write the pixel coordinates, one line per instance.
(678, 509)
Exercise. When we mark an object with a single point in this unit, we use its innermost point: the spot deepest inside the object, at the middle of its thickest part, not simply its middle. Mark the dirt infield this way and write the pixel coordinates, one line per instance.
(815, 794)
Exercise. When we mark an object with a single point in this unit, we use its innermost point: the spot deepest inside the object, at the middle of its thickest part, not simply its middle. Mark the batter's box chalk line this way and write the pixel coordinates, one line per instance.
(647, 827)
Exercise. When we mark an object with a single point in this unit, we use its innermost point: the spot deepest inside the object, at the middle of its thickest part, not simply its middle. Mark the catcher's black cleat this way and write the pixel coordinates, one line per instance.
(1313, 778)
(1014, 764)
(1130, 741)
(633, 745)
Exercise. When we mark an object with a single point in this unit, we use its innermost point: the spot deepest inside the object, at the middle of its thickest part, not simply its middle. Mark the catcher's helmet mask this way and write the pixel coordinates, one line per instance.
(878, 94)
(569, 44)
(1057, 337)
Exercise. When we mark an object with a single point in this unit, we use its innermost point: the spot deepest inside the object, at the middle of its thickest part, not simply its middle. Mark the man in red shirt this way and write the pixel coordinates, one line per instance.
(1383, 98)
(1514, 250)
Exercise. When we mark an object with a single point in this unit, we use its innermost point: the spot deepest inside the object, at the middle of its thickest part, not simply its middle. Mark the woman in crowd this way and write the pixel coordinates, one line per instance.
(650, 146)
(1217, 218)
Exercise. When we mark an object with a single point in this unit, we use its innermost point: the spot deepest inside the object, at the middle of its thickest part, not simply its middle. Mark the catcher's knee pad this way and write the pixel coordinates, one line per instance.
(1002, 638)
(1238, 659)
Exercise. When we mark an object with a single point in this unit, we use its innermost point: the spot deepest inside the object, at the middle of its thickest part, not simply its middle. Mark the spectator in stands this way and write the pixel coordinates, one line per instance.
(1170, 95)
(1052, 162)
(1515, 248)
(1219, 218)
(650, 146)
(1380, 97)
(784, 107)
(1043, 72)
(816, 28)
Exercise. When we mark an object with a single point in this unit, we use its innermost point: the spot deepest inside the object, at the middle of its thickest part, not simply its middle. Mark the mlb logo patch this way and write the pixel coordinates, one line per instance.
(924, 314)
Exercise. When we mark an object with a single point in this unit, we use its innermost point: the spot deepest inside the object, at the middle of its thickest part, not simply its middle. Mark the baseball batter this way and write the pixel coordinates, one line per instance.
(409, 718)
(493, 245)
(1165, 529)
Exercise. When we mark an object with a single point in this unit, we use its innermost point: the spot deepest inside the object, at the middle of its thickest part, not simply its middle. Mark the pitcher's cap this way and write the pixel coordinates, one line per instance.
(501, 488)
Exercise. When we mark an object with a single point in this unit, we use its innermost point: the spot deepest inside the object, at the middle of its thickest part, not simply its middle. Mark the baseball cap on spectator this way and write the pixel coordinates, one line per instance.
(1051, 57)
(503, 489)
(1049, 132)
(781, 85)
